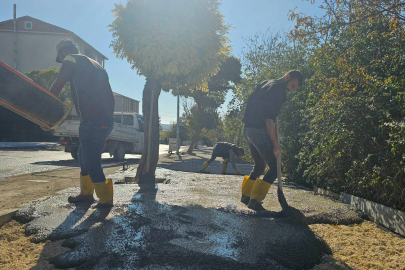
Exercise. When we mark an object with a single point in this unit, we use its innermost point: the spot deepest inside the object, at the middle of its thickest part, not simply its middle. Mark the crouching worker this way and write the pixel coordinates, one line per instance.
(262, 108)
(226, 151)
(94, 102)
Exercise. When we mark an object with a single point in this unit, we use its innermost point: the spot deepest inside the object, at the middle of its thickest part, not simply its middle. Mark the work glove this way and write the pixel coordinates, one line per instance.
(237, 172)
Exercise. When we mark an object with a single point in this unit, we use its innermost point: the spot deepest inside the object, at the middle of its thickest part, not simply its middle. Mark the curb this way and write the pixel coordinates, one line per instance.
(24, 147)
(388, 217)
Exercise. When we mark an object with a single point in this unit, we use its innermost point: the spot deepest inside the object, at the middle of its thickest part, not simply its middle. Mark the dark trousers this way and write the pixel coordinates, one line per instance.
(261, 149)
(92, 137)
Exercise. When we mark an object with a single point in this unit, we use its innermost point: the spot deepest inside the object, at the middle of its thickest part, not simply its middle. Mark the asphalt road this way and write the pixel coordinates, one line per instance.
(15, 162)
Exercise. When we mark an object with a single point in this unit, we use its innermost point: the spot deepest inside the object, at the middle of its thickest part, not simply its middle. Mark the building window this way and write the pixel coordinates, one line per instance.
(96, 58)
(28, 25)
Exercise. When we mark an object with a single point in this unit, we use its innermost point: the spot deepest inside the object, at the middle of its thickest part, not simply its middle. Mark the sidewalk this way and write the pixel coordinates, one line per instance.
(28, 145)
(192, 221)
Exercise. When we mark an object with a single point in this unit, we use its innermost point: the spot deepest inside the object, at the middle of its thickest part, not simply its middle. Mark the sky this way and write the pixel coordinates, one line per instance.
(89, 20)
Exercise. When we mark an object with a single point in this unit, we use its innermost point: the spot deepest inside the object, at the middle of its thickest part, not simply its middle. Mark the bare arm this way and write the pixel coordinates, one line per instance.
(65, 74)
(57, 86)
(271, 132)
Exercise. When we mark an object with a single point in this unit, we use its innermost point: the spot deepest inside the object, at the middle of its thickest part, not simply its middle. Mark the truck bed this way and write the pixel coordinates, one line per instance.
(70, 128)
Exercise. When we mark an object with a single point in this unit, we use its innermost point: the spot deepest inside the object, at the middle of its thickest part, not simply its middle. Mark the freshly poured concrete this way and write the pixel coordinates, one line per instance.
(194, 222)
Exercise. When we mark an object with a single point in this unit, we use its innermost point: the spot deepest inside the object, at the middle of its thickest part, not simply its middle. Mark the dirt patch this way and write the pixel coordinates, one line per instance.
(18, 252)
(24, 188)
(364, 246)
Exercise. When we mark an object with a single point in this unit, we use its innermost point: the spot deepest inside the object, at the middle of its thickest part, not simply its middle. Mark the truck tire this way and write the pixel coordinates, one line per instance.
(74, 153)
(119, 153)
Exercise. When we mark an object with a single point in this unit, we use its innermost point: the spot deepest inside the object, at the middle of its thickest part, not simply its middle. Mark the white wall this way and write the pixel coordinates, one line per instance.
(6, 48)
(37, 50)
(34, 50)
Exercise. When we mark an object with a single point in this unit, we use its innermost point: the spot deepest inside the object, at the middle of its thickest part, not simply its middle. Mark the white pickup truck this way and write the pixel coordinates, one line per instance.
(126, 137)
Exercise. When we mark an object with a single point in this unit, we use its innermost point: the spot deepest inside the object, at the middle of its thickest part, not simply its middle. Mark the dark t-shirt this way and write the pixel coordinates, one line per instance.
(90, 87)
(221, 149)
(264, 103)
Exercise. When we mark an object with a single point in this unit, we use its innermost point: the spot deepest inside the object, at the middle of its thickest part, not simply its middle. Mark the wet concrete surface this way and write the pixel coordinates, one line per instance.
(194, 162)
(194, 221)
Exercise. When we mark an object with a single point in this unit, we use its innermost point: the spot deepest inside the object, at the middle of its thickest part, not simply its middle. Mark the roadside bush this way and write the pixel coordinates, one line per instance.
(344, 130)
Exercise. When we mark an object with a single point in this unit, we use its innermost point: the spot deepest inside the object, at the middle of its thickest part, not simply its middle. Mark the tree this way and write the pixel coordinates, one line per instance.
(354, 113)
(204, 114)
(211, 136)
(344, 130)
(198, 120)
(46, 77)
(346, 13)
(182, 128)
(173, 44)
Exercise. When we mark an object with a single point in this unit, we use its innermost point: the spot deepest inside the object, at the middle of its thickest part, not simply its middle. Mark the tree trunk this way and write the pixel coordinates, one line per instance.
(194, 140)
(238, 142)
(150, 155)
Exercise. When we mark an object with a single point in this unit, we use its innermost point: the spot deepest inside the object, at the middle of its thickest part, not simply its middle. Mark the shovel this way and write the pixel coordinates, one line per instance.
(280, 193)
(287, 211)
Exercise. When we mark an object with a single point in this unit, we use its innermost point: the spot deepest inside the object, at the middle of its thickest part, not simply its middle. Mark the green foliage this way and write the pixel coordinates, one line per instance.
(202, 118)
(46, 77)
(204, 114)
(183, 131)
(355, 120)
(164, 134)
(177, 42)
(211, 136)
(174, 44)
(207, 103)
(344, 129)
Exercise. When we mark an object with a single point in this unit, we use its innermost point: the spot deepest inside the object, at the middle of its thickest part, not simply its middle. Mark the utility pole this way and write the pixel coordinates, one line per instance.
(15, 33)
(178, 124)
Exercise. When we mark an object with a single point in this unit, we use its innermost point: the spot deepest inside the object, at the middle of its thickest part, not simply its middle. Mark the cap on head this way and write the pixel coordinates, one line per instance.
(63, 44)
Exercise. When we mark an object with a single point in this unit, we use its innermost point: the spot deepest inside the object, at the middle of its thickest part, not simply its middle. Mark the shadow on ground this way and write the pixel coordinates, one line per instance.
(195, 164)
(163, 229)
(105, 162)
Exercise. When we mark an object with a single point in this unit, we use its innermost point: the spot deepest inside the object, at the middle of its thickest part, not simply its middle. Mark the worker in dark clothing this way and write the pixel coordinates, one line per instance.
(226, 151)
(94, 102)
(262, 108)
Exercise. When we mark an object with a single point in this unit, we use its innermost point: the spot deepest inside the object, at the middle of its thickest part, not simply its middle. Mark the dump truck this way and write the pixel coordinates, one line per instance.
(126, 137)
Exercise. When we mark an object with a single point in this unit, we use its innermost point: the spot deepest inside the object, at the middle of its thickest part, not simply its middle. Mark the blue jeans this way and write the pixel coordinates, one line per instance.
(92, 137)
(261, 149)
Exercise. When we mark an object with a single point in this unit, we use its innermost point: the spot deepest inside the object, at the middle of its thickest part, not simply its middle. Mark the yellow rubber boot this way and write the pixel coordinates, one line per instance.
(247, 186)
(86, 190)
(224, 166)
(86, 185)
(205, 165)
(259, 192)
(104, 191)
